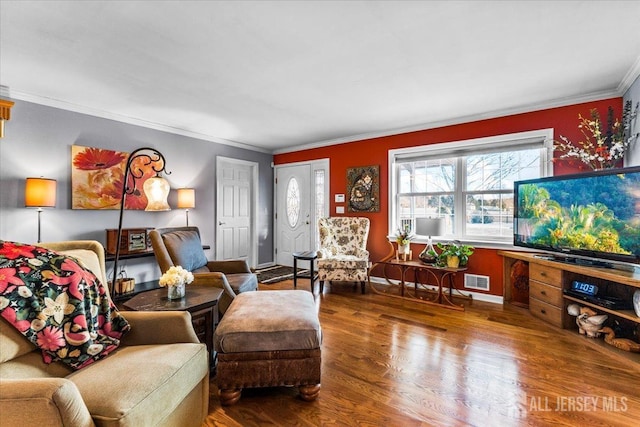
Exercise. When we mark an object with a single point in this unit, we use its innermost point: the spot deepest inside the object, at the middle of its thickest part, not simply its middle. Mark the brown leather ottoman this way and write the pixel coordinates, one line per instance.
(268, 339)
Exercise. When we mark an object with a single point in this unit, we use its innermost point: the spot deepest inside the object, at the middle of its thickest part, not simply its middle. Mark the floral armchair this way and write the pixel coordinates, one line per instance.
(343, 254)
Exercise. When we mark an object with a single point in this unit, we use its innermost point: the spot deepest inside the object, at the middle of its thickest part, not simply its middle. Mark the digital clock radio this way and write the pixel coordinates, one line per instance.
(589, 292)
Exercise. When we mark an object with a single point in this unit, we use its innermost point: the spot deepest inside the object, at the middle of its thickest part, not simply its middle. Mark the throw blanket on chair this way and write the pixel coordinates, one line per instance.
(60, 306)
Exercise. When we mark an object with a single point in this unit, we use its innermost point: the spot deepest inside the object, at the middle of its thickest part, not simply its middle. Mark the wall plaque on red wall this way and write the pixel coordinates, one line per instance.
(363, 189)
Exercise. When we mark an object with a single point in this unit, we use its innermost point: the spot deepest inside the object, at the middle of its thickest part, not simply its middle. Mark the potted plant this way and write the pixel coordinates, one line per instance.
(403, 238)
(453, 254)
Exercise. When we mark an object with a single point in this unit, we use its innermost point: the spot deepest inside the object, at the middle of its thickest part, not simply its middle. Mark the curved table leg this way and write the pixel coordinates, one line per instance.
(439, 275)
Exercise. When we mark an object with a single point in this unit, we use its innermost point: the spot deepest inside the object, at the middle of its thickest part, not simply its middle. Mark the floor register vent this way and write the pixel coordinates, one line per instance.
(475, 281)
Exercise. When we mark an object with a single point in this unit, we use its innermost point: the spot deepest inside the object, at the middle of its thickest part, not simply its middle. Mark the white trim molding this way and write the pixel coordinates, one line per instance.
(82, 109)
(630, 77)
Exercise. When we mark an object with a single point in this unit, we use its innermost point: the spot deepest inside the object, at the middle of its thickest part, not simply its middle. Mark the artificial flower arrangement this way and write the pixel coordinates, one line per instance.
(403, 238)
(404, 235)
(601, 149)
(175, 276)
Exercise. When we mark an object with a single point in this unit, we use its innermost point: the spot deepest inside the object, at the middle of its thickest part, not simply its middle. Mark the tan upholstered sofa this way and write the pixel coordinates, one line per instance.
(159, 376)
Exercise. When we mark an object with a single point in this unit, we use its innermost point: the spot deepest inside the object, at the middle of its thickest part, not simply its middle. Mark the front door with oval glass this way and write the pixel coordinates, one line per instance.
(293, 212)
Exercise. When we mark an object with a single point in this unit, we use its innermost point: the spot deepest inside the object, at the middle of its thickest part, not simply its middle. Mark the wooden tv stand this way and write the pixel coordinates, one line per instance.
(548, 279)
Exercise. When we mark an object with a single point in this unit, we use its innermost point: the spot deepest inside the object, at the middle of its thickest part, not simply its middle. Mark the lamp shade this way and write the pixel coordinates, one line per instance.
(157, 190)
(430, 226)
(40, 193)
(186, 198)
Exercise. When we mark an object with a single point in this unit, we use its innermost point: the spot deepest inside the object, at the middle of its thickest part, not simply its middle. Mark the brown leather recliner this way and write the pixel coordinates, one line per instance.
(182, 246)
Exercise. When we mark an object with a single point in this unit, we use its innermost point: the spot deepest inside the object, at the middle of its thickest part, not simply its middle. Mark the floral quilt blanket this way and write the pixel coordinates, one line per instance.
(60, 306)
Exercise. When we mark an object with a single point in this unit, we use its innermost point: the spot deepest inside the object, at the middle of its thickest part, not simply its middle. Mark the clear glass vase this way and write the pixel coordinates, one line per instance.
(175, 291)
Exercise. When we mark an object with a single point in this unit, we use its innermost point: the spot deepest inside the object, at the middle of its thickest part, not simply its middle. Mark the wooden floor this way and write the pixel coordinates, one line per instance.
(389, 362)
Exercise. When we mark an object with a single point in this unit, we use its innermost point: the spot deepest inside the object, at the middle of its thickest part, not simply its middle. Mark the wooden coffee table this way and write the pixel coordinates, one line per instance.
(200, 301)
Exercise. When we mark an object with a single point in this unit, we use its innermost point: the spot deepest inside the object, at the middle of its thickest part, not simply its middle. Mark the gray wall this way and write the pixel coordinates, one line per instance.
(633, 94)
(38, 142)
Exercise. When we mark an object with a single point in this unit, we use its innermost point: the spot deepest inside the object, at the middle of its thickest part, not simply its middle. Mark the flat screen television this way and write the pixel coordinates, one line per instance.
(588, 218)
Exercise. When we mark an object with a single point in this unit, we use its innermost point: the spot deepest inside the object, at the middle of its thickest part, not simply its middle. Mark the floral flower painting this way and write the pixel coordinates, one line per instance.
(601, 148)
(97, 177)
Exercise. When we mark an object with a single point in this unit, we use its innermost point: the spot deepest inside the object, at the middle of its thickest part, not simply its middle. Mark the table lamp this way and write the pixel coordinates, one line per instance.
(40, 193)
(186, 200)
(429, 227)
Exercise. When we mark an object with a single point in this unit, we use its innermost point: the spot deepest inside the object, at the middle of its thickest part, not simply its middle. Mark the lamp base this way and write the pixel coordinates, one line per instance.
(428, 255)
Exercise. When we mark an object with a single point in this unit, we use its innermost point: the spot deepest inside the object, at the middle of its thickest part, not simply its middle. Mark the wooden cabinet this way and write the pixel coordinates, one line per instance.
(545, 293)
(204, 323)
(548, 280)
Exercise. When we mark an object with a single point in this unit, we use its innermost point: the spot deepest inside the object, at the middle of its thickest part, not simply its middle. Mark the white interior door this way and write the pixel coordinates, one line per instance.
(236, 210)
(293, 212)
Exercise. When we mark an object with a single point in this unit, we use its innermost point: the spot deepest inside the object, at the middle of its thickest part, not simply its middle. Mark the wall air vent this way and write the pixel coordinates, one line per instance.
(475, 281)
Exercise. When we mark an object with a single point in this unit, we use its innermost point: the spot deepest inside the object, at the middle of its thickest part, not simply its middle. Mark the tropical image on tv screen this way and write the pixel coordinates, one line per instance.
(598, 213)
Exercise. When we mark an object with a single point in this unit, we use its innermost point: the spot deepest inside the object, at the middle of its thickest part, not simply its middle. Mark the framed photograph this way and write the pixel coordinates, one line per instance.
(97, 177)
(363, 189)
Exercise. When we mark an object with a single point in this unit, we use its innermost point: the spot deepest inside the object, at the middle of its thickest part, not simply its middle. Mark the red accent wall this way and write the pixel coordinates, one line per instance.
(564, 121)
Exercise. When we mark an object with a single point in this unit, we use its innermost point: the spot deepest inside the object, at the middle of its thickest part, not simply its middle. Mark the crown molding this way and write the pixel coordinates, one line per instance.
(82, 109)
(630, 77)
(560, 102)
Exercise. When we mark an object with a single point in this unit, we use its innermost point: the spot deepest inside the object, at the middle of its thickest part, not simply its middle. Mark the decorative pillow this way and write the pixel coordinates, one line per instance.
(185, 249)
(58, 305)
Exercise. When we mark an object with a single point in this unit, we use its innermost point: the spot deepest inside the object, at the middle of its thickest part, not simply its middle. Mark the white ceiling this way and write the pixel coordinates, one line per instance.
(283, 74)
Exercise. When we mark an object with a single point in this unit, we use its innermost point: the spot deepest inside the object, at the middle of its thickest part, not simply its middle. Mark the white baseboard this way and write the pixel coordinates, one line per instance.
(477, 296)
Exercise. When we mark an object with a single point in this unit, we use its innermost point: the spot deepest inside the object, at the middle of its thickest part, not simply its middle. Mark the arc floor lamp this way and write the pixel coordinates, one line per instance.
(155, 188)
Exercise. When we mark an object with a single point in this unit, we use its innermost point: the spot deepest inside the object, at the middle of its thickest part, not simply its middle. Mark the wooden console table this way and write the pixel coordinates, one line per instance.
(200, 301)
(420, 292)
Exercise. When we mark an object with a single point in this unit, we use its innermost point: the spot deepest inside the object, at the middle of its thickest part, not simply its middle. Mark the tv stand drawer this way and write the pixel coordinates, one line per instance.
(544, 274)
(545, 293)
(546, 312)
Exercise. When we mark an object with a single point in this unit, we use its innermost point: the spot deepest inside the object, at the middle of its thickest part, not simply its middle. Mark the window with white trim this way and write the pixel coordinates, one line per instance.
(469, 183)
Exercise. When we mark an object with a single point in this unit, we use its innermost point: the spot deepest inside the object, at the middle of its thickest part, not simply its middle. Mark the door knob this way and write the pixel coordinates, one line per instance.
(221, 223)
